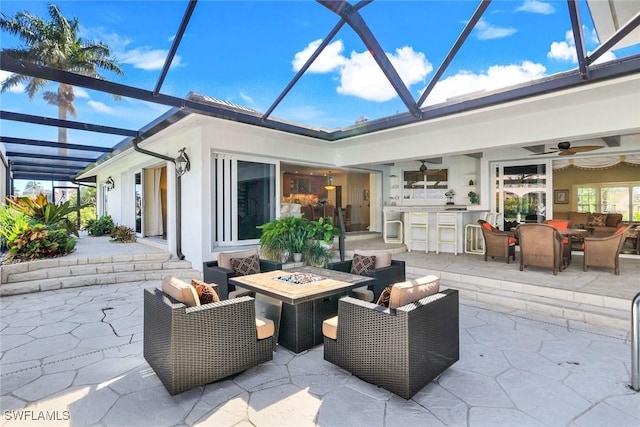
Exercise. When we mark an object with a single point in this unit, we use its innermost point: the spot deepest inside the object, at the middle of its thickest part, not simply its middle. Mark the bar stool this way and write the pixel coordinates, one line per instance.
(489, 217)
(473, 240)
(448, 222)
(498, 221)
(418, 221)
(385, 223)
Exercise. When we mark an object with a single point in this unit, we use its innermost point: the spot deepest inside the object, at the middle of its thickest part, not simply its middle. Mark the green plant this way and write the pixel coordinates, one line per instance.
(33, 243)
(41, 211)
(276, 237)
(297, 240)
(123, 234)
(12, 224)
(100, 227)
(322, 229)
(473, 197)
(317, 255)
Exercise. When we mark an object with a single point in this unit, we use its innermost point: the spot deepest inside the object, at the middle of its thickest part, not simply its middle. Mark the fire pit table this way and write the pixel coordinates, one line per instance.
(299, 300)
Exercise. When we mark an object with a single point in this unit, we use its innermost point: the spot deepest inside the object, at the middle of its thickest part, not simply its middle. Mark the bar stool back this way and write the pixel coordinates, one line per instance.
(418, 221)
(385, 223)
(446, 221)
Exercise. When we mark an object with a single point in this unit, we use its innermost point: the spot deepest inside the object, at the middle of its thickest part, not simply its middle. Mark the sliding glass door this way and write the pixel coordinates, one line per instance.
(522, 192)
(245, 197)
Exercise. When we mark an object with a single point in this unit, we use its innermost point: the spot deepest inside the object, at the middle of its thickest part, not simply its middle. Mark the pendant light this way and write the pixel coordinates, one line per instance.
(423, 167)
(330, 186)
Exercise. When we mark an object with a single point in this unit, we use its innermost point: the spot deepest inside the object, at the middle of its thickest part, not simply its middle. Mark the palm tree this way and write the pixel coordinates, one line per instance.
(32, 187)
(55, 44)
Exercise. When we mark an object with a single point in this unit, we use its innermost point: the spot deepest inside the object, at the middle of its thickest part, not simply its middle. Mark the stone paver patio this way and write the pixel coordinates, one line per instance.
(75, 356)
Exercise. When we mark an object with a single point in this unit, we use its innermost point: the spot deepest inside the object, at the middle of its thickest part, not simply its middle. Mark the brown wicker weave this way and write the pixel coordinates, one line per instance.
(189, 347)
(400, 350)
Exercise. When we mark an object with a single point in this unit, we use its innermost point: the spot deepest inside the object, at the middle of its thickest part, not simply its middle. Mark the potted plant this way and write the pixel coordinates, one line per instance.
(323, 230)
(297, 241)
(316, 254)
(473, 197)
(450, 194)
(276, 238)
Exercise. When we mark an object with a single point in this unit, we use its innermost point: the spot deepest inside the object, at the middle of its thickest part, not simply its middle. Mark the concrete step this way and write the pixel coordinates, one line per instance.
(8, 270)
(599, 310)
(29, 286)
(97, 268)
(69, 272)
(571, 311)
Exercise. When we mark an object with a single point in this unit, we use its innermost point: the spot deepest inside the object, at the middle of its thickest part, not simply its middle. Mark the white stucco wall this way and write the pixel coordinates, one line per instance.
(603, 109)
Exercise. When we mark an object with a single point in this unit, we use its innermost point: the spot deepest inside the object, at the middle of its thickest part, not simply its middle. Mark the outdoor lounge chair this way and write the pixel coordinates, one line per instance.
(192, 346)
(400, 349)
(541, 246)
(386, 271)
(605, 251)
(497, 243)
(220, 271)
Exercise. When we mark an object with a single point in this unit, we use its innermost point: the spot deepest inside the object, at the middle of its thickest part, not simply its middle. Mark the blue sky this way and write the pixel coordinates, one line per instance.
(246, 52)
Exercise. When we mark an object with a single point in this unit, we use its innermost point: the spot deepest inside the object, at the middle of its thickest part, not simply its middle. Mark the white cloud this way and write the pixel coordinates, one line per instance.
(361, 76)
(496, 77)
(100, 107)
(146, 58)
(19, 88)
(486, 31)
(80, 92)
(535, 6)
(566, 50)
(247, 99)
(329, 60)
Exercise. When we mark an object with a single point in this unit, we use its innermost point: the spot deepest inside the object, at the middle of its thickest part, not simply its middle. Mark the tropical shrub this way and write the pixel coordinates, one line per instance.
(100, 227)
(41, 211)
(317, 255)
(12, 224)
(123, 234)
(37, 241)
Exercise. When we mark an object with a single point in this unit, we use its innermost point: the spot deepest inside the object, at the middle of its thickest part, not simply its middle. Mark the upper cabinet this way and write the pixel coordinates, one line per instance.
(303, 184)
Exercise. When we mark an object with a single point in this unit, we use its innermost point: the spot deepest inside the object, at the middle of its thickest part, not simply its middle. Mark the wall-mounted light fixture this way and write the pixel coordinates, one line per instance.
(183, 165)
(330, 186)
(109, 184)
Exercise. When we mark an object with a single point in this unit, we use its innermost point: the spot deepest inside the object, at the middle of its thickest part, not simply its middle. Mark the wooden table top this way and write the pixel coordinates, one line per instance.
(329, 282)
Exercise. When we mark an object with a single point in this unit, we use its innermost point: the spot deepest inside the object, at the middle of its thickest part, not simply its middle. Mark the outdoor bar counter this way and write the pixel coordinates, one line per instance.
(462, 218)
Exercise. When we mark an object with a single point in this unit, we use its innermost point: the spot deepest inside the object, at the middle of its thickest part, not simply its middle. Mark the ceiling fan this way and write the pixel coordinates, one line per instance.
(565, 149)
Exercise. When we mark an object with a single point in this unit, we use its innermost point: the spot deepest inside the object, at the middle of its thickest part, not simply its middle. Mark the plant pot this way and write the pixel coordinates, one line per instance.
(284, 257)
(297, 257)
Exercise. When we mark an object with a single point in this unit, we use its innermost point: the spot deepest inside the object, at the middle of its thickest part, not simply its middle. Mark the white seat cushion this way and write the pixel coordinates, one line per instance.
(413, 290)
(180, 291)
(224, 258)
(265, 328)
(330, 328)
(383, 258)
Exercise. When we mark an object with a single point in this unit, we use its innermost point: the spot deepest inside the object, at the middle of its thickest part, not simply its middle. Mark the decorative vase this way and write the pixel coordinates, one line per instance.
(284, 257)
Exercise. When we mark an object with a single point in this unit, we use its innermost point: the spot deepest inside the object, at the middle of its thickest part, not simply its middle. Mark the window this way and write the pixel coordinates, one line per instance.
(622, 198)
(423, 185)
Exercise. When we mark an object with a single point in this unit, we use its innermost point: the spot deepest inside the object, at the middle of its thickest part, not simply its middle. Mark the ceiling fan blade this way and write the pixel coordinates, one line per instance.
(553, 150)
(585, 148)
(567, 152)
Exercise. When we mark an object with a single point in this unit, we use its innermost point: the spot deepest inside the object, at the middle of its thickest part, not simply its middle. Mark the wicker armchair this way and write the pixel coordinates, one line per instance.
(383, 276)
(214, 272)
(497, 243)
(605, 251)
(540, 246)
(192, 346)
(402, 349)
